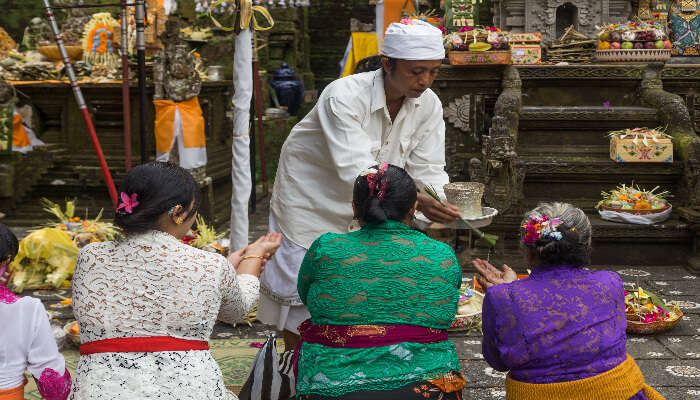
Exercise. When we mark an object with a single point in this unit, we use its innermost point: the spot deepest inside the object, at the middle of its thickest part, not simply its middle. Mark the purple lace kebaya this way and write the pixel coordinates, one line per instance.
(561, 324)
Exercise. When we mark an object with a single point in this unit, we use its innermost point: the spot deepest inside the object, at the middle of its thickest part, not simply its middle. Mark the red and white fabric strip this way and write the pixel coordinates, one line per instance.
(147, 344)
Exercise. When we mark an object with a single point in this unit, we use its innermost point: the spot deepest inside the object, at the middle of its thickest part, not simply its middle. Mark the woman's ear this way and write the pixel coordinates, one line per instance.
(175, 216)
(412, 211)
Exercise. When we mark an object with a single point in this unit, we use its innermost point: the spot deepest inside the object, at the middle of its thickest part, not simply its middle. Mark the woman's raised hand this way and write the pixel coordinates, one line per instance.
(265, 246)
(490, 275)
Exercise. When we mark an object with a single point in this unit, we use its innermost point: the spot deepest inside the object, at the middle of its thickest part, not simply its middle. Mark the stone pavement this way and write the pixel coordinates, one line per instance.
(670, 361)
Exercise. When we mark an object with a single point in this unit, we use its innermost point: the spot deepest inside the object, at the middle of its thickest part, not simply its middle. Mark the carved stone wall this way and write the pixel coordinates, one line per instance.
(541, 15)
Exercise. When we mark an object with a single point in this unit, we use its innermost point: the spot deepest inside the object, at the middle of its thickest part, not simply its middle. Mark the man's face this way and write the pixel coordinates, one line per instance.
(411, 78)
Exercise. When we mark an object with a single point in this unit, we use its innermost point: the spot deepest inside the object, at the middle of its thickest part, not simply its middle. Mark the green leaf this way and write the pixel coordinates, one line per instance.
(657, 301)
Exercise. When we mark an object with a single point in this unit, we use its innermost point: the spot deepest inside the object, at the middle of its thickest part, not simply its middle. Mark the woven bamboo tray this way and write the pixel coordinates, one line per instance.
(75, 53)
(633, 55)
(652, 328)
(635, 212)
(495, 57)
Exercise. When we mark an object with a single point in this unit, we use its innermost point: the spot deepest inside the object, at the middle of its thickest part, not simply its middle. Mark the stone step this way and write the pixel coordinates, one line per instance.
(575, 126)
(614, 243)
(588, 113)
(556, 175)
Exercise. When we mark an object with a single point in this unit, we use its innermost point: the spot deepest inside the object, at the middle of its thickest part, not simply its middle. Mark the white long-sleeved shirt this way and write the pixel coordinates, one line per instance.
(348, 131)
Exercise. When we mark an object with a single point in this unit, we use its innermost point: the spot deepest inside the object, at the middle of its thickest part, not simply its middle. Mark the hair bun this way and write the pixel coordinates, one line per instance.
(375, 213)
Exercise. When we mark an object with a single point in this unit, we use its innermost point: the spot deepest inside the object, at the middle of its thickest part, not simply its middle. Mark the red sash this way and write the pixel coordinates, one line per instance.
(148, 344)
(363, 336)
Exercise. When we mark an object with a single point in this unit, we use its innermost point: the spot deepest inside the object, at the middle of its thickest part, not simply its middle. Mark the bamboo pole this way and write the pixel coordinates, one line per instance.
(81, 103)
(126, 101)
(141, 54)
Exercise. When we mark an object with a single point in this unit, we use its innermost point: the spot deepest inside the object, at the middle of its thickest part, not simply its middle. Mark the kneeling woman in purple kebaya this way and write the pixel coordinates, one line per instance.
(561, 332)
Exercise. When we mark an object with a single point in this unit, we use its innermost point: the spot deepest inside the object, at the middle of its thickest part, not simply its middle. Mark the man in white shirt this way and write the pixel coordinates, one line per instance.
(389, 115)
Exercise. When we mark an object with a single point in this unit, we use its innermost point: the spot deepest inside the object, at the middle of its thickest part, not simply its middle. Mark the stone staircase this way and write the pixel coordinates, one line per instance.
(563, 155)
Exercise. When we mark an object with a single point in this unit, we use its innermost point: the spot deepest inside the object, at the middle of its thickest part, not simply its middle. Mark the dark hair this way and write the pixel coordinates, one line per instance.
(574, 248)
(9, 246)
(399, 197)
(159, 187)
(371, 63)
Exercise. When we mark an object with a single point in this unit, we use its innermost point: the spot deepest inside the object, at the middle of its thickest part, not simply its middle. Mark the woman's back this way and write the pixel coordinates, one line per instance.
(148, 285)
(561, 324)
(383, 274)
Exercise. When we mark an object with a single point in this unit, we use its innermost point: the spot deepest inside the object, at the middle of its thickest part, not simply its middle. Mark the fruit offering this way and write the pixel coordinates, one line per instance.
(633, 35)
(633, 198)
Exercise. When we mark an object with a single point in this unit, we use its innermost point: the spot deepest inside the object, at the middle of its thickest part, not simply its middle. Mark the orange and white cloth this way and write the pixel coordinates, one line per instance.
(183, 122)
(23, 138)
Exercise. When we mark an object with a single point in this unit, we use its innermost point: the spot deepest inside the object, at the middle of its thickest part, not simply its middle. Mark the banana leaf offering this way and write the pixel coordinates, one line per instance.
(46, 259)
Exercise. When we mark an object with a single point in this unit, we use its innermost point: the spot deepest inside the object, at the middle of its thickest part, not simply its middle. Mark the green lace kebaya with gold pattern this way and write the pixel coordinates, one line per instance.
(382, 274)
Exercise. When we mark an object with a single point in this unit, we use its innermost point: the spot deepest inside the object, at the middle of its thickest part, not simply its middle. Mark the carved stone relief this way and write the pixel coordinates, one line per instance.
(458, 112)
(541, 15)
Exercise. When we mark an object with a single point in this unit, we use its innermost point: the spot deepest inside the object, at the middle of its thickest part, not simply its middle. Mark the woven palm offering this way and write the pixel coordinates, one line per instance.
(647, 314)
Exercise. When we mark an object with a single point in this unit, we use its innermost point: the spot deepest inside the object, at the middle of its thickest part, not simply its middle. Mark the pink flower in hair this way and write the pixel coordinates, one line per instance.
(128, 203)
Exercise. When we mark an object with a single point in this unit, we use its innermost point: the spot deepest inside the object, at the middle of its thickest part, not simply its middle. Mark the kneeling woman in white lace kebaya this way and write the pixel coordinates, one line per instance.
(146, 304)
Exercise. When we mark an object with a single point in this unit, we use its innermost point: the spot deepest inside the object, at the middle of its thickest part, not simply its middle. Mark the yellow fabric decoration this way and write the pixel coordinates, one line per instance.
(192, 124)
(19, 135)
(247, 10)
(364, 44)
(620, 383)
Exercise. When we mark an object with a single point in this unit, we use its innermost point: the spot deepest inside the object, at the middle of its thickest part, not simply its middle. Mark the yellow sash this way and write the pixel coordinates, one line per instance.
(19, 135)
(620, 383)
(14, 393)
(192, 123)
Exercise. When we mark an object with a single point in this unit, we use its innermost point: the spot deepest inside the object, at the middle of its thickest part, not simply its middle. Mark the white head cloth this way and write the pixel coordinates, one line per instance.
(416, 41)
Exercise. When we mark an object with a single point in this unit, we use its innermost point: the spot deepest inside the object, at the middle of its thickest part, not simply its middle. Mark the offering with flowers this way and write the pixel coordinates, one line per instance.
(647, 313)
(429, 16)
(478, 39)
(204, 237)
(634, 200)
(81, 231)
(469, 309)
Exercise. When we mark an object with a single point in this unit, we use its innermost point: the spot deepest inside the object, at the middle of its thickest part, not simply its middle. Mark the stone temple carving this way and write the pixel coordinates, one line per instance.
(552, 17)
(457, 113)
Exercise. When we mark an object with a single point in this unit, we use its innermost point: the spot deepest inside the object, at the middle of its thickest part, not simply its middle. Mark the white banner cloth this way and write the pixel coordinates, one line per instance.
(240, 147)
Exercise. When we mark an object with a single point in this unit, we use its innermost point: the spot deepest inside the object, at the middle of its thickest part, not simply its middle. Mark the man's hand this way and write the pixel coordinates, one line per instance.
(435, 211)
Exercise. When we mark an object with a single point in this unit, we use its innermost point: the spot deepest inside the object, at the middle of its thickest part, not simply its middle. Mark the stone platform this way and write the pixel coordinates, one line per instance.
(670, 361)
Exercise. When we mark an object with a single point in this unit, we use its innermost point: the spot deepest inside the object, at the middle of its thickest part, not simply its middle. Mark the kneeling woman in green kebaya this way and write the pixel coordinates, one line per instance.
(381, 300)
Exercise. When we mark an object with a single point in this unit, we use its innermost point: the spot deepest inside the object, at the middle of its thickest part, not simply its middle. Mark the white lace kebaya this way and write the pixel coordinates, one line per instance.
(152, 285)
(28, 344)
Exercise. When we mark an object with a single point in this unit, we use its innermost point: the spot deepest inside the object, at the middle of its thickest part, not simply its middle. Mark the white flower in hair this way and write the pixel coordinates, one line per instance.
(369, 171)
